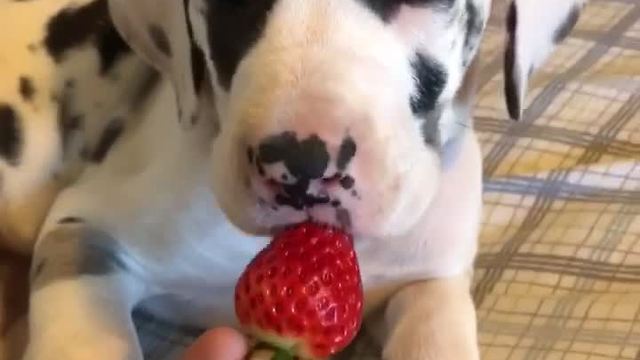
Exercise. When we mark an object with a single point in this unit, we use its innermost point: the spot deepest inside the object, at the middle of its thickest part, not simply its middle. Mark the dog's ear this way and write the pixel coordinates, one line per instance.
(158, 30)
(534, 29)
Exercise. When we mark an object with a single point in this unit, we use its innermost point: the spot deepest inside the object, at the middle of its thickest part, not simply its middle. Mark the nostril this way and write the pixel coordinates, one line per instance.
(330, 180)
(345, 181)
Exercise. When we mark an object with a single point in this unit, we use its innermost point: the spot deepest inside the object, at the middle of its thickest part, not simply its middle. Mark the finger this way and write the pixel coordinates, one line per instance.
(218, 344)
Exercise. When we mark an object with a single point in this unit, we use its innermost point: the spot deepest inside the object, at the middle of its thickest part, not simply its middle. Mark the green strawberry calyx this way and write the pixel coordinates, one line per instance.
(278, 352)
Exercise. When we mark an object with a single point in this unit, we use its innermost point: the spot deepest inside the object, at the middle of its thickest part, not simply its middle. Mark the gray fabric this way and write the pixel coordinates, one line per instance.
(558, 274)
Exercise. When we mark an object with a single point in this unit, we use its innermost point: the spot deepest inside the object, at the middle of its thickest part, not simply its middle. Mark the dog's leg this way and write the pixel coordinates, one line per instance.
(432, 320)
(82, 294)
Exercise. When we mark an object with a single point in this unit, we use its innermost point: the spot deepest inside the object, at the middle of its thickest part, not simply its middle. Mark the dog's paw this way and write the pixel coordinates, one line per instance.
(422, 342)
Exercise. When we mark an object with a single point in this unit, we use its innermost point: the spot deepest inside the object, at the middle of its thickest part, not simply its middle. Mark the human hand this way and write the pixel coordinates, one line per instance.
(218, 344)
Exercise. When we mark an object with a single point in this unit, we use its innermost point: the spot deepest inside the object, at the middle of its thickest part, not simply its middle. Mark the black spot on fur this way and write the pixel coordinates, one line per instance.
(10, 134)
(70, 220)
(306, 159)
(569, 23)
(233, 27)
(109, 137)
(511, 77)
(347, 182)
(250, 154)
(111, 47)
(69, 122)
(431, 78)
(145, 89)
(198, 63)
(69, 252)
(160, 39)
(198, 67)
(346, 153)
(26, 88)
(101, 256)
(73, 26)
(37, 270)
(430, 128)
(474, 27)
(77, 26)
(387, 9)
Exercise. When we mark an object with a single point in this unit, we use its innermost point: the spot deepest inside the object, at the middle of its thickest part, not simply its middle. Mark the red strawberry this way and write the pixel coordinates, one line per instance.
(302, 294)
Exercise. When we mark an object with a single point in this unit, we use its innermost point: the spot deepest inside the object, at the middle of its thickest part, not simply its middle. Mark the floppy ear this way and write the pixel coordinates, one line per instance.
(159, 32)
(534, 29)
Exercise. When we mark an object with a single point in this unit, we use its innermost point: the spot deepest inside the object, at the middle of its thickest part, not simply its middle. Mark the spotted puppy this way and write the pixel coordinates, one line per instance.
(68, 83)
(349, 112)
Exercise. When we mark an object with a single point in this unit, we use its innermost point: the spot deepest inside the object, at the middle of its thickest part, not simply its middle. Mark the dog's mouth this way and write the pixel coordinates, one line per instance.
(337, 217)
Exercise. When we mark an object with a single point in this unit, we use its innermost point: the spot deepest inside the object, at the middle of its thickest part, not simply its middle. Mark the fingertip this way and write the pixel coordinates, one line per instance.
(218, 344)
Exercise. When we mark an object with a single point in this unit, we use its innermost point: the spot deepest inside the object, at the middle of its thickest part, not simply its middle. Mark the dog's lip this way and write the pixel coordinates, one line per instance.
(276, 229)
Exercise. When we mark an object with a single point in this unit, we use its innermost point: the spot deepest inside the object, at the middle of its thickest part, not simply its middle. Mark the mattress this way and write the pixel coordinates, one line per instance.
(558, 271)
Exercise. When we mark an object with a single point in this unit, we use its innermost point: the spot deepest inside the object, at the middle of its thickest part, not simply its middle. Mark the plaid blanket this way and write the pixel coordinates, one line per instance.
(558, 274)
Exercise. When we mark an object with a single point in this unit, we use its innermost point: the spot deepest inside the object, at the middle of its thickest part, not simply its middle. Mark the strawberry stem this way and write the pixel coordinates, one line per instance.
(282, 354)
(278, 352)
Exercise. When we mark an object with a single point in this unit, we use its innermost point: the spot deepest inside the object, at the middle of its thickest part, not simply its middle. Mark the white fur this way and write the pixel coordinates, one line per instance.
(316, 80)
(537, 23)
(182, 230)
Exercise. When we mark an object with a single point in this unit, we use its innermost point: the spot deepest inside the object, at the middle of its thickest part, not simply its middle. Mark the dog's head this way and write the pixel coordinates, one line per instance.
(338, 110)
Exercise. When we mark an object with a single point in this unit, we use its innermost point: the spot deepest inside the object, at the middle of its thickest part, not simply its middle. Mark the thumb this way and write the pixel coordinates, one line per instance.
(218, 344)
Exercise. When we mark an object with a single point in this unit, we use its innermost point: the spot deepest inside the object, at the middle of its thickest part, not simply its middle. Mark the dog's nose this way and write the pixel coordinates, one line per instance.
(295, 172)
(307, 159)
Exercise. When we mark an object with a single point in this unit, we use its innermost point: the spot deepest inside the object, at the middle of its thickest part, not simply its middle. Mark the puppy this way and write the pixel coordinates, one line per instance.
(349, 112)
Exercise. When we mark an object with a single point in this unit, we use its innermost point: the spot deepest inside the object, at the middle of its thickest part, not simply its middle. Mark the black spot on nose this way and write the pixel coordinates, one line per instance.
(346, 153)
(306, 159)
(347, 182)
